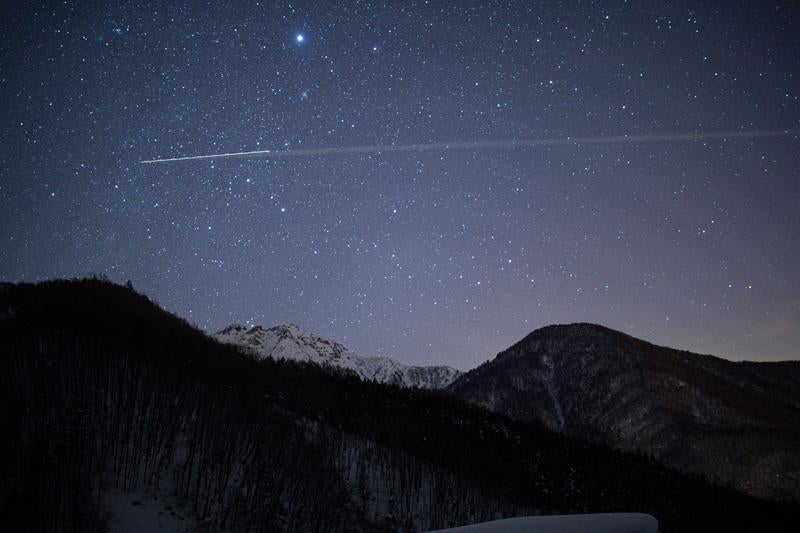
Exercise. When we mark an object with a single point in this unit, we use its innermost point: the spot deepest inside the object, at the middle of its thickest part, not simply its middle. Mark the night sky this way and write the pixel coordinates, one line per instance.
(438, 256)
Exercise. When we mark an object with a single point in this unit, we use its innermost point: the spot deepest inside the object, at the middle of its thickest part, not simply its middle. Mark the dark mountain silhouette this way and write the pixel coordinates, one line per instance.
(737, 423)
(101, 391)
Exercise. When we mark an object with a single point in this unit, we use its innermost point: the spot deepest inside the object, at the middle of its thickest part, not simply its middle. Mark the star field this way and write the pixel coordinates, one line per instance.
(441, 257)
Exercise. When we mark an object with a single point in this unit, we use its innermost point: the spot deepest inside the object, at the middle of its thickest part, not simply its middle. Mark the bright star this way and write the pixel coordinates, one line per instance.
(300, 37)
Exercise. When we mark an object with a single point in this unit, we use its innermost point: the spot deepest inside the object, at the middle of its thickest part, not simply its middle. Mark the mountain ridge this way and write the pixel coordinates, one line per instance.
(736, 422)
(102, 389)
(289, 341)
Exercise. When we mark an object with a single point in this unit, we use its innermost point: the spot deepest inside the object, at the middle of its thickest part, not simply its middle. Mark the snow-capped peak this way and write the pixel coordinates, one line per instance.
(293, 343)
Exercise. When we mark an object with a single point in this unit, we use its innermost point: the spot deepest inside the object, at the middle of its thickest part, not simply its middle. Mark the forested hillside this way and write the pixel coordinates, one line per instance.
(735, 422)
(102, 390)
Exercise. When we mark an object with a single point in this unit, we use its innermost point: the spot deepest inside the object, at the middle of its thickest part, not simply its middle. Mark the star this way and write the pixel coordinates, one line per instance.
(600, 215)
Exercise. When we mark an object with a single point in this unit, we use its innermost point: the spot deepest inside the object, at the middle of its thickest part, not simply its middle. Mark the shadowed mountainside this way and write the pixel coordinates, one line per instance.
(103, 392)
(736, 422)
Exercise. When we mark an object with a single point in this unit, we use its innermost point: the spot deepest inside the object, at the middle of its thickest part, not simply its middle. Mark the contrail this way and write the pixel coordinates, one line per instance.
(477, 145)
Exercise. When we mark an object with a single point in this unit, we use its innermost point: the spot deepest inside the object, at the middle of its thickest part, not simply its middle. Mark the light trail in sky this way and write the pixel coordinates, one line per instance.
(481, 145)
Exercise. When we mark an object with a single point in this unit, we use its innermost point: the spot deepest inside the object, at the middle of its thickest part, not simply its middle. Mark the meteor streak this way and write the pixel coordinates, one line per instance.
(479, 145)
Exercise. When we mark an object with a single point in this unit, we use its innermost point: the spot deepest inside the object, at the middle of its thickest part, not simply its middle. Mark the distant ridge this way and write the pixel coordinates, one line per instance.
(292, 343)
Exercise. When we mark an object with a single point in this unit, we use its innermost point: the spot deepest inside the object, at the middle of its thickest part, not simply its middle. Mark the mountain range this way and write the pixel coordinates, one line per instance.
(294, 344)
(736, 422)
(112, 409)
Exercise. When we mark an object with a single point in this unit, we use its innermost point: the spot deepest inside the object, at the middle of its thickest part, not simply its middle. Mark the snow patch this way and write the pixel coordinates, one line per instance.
(597, 523)
(549, 386)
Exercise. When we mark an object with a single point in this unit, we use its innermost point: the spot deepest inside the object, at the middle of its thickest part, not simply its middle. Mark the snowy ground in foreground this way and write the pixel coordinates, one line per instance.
(579, 523)
(140, 513)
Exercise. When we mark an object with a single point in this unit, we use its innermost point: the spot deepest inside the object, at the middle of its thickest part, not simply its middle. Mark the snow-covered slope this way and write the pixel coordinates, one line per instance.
(292, 343)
